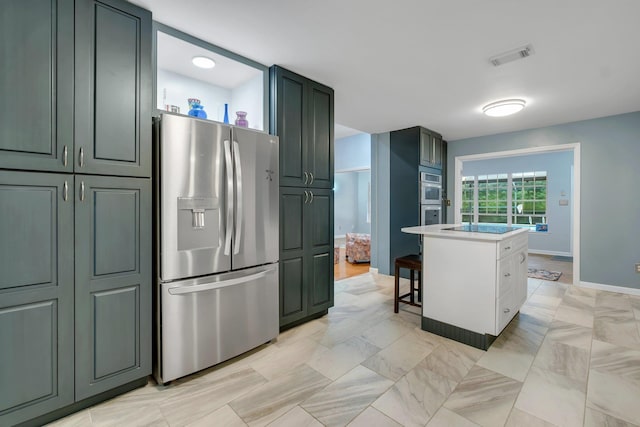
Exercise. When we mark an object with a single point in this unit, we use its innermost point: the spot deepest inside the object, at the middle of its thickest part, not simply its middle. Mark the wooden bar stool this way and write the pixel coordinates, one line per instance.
(413, 263)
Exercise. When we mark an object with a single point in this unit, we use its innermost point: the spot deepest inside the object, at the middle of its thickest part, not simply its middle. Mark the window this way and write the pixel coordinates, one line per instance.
(518, 199)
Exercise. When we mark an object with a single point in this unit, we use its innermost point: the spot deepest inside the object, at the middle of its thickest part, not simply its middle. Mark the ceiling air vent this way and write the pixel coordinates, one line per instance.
(512, 55)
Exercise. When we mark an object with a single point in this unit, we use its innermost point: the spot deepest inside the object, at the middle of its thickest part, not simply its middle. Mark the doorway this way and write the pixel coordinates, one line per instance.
(352, 222)
(550, 260)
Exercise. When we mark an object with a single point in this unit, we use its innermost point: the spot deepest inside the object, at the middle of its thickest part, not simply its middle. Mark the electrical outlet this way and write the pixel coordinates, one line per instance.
(638, 267)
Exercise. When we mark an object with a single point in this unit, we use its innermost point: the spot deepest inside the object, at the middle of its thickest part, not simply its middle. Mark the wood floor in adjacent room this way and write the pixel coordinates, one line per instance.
(344, 269)
(553, 263)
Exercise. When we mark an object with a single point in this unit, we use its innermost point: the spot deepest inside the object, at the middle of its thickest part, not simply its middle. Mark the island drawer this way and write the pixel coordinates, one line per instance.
(509, 246)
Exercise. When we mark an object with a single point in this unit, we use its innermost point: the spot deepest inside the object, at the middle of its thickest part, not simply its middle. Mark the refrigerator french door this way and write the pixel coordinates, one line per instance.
(217, 293)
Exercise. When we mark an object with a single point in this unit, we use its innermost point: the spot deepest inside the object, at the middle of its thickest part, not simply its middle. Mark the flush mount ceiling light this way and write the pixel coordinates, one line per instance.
(203, 62)
(503, 108)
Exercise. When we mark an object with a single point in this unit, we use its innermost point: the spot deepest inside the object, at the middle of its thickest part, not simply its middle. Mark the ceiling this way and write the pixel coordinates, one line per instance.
(426, 62)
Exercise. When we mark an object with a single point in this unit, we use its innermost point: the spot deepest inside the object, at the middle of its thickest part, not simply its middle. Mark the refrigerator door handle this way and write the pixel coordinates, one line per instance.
(181, 290)
(239, 207)
(229, 171)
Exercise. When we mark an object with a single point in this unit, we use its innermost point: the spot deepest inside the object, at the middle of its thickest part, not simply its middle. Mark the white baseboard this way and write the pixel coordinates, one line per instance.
(373, 270)
(610, 288)
(554, 253)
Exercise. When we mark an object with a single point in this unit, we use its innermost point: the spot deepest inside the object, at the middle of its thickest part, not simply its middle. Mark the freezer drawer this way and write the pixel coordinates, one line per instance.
(208, 320)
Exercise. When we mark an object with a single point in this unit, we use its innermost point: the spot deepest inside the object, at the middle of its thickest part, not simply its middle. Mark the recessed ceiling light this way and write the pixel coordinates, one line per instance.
(203, 62)
(503, 108)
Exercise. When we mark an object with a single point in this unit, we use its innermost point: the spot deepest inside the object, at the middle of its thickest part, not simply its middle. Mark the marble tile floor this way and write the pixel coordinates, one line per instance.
(570, 358)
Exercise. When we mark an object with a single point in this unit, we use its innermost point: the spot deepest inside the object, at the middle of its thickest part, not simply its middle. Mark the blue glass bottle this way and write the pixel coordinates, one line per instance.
(226, 114)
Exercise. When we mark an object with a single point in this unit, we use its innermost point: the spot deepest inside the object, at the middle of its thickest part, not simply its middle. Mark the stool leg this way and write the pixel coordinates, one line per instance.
(419, 286)
(397, 290)
(411, 288)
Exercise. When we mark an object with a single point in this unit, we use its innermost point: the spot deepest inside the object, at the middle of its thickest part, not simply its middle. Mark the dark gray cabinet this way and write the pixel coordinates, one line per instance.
(36, 294)
(75, 288)
(431, 149)
(112, 88)
(36, 83)
(306, 253)
(75, 97)
(75, 266)
(112, 282)
(302, 117)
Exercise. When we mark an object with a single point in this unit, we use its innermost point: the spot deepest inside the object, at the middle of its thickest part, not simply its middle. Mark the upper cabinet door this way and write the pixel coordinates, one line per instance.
(36, 83)
(320, 139)
(113, 88)
(302, 116)
(288, 111)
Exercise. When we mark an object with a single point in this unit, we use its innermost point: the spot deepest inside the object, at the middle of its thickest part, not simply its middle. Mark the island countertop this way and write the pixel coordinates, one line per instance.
(440, 230)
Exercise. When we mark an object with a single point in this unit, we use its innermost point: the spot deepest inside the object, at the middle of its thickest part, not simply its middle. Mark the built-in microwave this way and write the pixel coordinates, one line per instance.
(430, 189)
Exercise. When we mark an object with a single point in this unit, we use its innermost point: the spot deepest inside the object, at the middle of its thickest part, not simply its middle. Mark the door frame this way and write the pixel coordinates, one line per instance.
(576, 170)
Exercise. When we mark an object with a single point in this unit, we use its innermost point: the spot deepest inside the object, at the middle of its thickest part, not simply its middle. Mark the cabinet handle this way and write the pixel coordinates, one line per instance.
(507, 275)
(65, 191)
(506, 310)
(311, 174)
(507, 248)
(82, 191)
(433, 151)
(65, 156)
(306, 196)
(81, 161)
(306, 178)
(311, 201)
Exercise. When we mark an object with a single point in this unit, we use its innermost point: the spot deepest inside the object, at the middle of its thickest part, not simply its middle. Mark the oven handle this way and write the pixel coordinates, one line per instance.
(431, 184)
(181, 290)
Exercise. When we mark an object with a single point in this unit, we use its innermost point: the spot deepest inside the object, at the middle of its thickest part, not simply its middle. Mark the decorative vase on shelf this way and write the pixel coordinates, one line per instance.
(226, 114)
(241, 120)
(196, 110)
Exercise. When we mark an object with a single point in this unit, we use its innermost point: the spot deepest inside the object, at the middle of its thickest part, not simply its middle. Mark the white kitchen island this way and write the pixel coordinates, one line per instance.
(474, 282)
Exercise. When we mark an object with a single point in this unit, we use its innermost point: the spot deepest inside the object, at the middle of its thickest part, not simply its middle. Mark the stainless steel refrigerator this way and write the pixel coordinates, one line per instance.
(217, 262)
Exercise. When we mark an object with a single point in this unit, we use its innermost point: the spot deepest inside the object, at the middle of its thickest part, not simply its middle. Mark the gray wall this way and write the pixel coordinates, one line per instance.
(364, 179)
(351, 199)
(346, 192)
(609, 205)
(353, 152)
(380, 155)
(351, 185)
(557, 240)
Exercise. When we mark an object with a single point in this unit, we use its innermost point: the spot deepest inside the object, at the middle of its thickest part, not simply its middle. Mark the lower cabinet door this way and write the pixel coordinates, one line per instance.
(320, 282)
(319, 250)
(36, 294)
(112, 282)
(293, 289)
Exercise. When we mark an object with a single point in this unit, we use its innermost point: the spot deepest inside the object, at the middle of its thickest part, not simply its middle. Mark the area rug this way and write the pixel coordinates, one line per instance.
(536, 273)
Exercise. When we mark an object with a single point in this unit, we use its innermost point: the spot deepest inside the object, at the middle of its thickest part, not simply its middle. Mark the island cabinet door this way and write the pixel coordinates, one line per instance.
(113, 282)
(36, 294)
(36, 85)
(113, 88)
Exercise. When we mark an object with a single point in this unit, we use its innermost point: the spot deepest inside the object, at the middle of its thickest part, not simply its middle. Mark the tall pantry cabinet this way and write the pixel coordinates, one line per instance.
(75, 204)
(302, 117)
